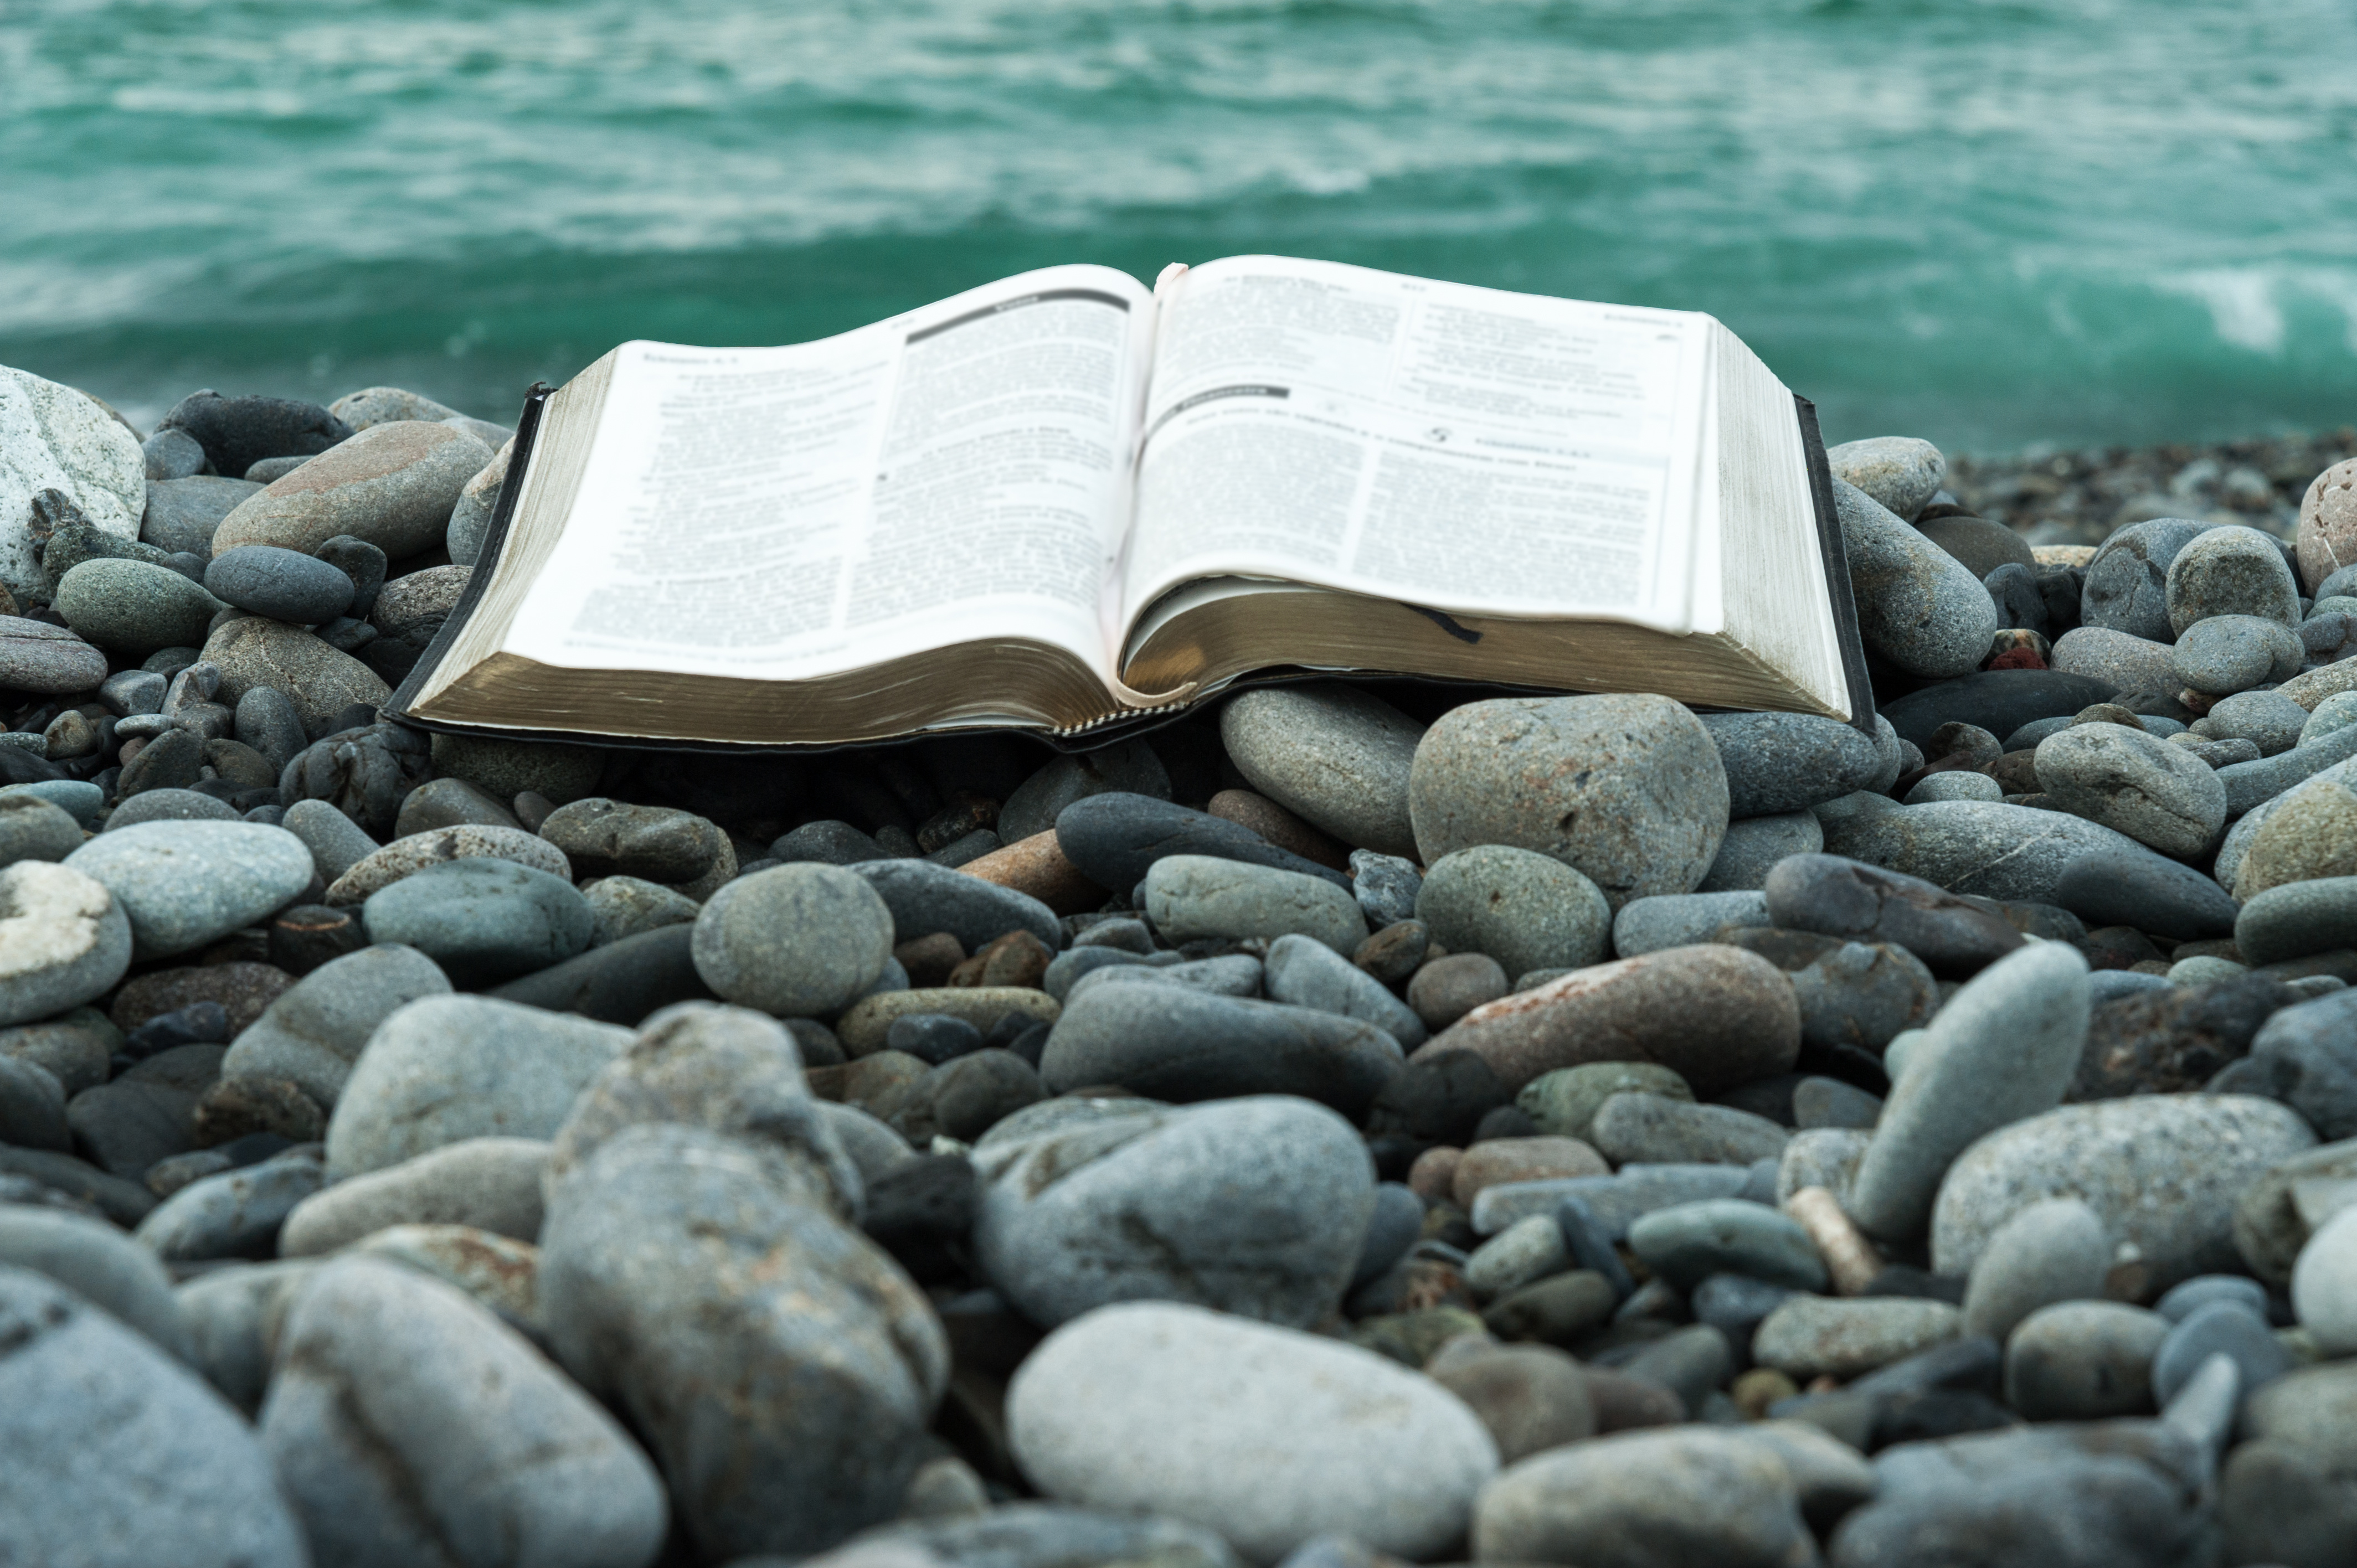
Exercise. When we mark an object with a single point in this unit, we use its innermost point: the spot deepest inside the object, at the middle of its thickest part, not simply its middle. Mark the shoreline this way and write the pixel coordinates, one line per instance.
(2078, 497)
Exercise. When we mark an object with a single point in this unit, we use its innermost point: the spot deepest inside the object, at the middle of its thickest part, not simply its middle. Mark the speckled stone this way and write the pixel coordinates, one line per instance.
(63, 939)
(1525, 909)
(1628, 791)
(393, 485)
(470, 520)
(2125, 587)
(1335, 756)
(54, 438)
(1811, 1336)
(47, 660)
(34, 828)
(1999, 851)
(255, 652)
(183, 514)
(2124, 661)
(796, 940)
(2270, 720)
(2294, 919)
(407, 856)
(2232, 570)
(413, 607)
(2230, 653)
(133, 607)
(1715, 1015)
(1788, 762)
(2310, 834)
(2326, 535)
(1901, 472)
(506, 768)
(1919, 606)
(1957, 784)
(185, 884)
(1192, 895)
(481, 919)
(1754, 844)
(2156, 793)
(2162, 1172)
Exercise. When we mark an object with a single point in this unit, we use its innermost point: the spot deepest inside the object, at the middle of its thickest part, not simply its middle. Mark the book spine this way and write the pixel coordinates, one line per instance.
(1836, 556)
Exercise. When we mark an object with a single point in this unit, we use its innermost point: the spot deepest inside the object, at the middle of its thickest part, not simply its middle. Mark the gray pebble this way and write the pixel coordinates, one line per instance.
(1754, 844)
(2127, 582)
(185, 884)
(1180, 1045)
(488, 1184)
(1788, 762)
(1919, 606)
(235, 1213)
(1671, 920)
(284, 585)
(1651, 1128)
(2084, 1360)
(1128, 766)
(100, 1265)
(2050, 1251)
(481, 920)
(2230, 653)
(2123, 779)
(1192, 895)
(923, 898)
(1901, 472)
(1334, 756)
(800, 940)
(1305, 972)
(2232, 570)
(183, 512)
(1525, 909)
(2121, 660)
(1385, 885)
(1686, 1243)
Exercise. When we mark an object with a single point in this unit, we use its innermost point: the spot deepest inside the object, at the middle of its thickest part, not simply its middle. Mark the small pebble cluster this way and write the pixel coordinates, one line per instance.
(1355, 1124)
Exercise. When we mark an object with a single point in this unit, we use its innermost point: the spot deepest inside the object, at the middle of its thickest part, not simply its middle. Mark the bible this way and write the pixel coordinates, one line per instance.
(1067, 504)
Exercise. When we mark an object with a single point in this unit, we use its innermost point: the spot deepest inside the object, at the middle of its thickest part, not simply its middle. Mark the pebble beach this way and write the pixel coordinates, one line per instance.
(1352, 1125)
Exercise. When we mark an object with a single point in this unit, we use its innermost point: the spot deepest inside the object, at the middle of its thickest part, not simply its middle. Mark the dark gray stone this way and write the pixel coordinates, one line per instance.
(1127, 766)
(284, 585)
(481, 920)
(1182, 1045)
(1114, 838)
(239, 431)
(1919, 606)
(2161, 897)
(923, 898)
(2127, 582)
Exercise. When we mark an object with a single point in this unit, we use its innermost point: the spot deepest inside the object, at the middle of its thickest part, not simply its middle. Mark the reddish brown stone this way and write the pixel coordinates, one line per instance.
(1496, 1160)
(1037, 865)
(242, 989)
(930, 960)
(1715, 1015)
(1279, 827)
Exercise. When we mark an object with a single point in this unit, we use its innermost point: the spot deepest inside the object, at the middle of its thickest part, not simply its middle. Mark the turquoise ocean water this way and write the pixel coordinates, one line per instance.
(1990, 223)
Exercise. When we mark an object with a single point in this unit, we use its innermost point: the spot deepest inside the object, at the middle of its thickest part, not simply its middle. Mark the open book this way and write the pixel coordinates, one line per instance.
(1063, 499)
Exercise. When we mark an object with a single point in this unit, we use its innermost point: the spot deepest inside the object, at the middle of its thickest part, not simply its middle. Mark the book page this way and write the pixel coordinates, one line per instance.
(1456, 447)
(956, 473)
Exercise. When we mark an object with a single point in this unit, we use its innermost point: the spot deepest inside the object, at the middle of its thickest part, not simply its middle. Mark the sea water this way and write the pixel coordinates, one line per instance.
(1991, 223)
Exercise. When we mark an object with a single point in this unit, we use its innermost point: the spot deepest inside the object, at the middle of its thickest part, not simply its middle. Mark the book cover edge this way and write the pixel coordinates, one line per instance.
(1836, 556)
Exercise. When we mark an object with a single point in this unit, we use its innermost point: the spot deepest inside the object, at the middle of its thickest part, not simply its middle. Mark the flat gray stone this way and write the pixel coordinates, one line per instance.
(183, 514)
(1788, 762)
(1959, 785)
(1334, 756)
(1901, 472)
(1685, 1244)
(336, 841)
(47, 660)
(235, 1213)
(924, 898)
(2013, 853)
(488, 1184)
(1651, 1128)
(118, 1454)
(1145, 1408)
(1525, 909)
(1180, 1045)
(445, 1068)
(1919, 606)
(405, 1418)
(2162, 1172)
(481, 919)
(100, 1265)
(2124, 661)
(284, 585)
(2050, 1251)
(2159, 794)
(320, 680)
(1304, 972)
(1681, 920)
(316, 1028)
(1254, 1206)
(185, 884)
(1191, 896)
(2004, 1049)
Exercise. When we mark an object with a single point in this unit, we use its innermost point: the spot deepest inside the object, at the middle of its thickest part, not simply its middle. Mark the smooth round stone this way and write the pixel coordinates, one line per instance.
(2331, 716)
(1788, 762)
(1901, 472)
(923, 898)
(814, 1362)
(239, 431)
(2204, 970)
(2269, 720)
(465, 1423)
(120, 1454)
(1960, 784)
(2182, 1301)
(1628, 791)
(488, 1184)
(2156, 793)
(133, 607)
(393, 485)
(1860, 996)
(413, 607)
(2084, 1360)
(656, 843)
(2153, 895)
(2327, 532)
(1525, 909)
(170, 806)
(1256, 1207)
(1687, 1242)
(1192, 895)
(1754, 844)
(1821, 1156)
(1998, 850)
(54, 437)
(626, 907)
(2125, 587)
(1715, 1015)
(403, 857)
(1813, 1335)
(1267, 1436)
(45, 659)
(2163, 1172)
(1333, 755)
(1645, 1129)
(1919, 606)
(182, 513)
(321, 682)
(1113, 838)
(284, 585)
(100, 1264)
(235, 1213)
(1564, 1101)
(2297, 918)
(1444, 990)
(470, 520)
(2232, 570)
(1982, 545)
(1683, 920)
(2050, 1251)
(1525, 1252)
(446, 803)
(2221, 1328)
(442, 1070)
(2125, 663)
(185, 884)
(80, 801)
(1304, 972)
(1501, 1161)
(1182, 1046)
(2324, 1284)
(1686, 1494)
(33, 828)
(481, 919)
(2230, 653)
